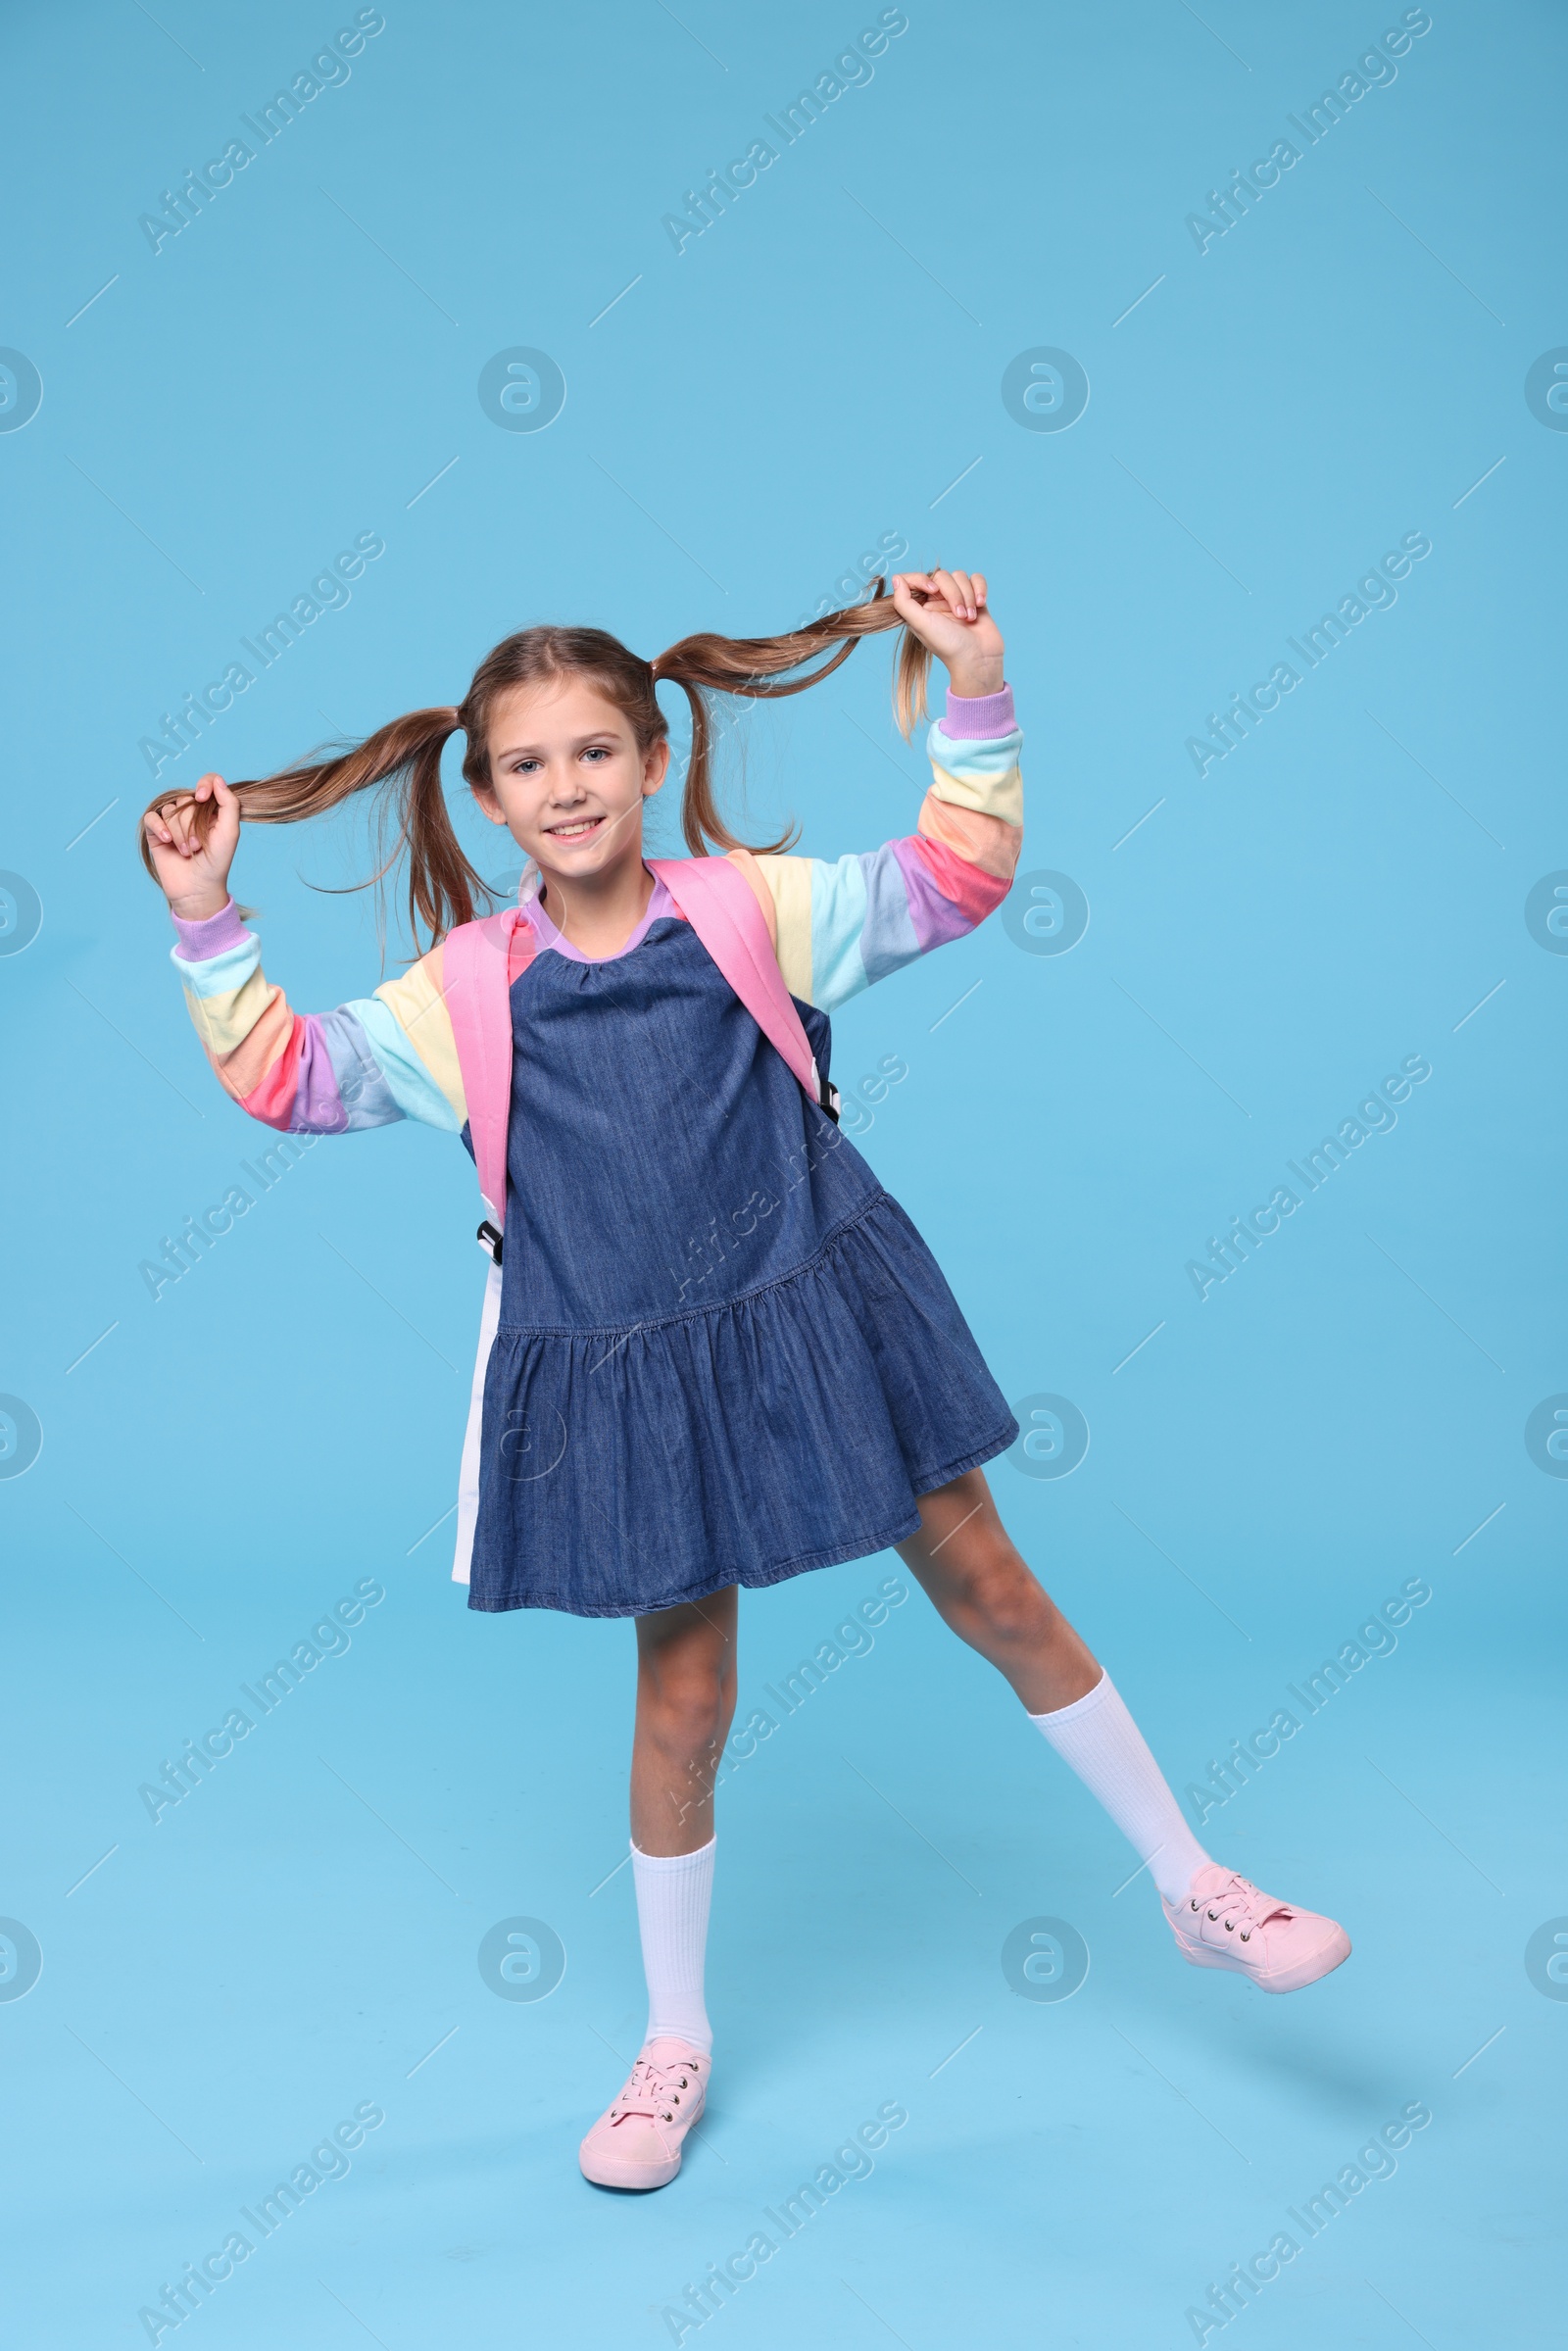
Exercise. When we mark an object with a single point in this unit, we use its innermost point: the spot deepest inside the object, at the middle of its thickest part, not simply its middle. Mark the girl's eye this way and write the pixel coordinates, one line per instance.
(596, 751)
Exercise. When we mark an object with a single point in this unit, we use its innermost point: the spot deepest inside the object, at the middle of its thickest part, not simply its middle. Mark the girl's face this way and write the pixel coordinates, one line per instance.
(567, 778)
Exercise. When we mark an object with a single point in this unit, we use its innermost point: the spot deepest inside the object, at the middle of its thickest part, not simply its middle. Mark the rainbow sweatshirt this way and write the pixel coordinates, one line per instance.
(836, 928)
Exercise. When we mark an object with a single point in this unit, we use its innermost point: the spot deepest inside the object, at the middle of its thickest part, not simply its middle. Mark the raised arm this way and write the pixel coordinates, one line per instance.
(378, 1059)
(840, 926)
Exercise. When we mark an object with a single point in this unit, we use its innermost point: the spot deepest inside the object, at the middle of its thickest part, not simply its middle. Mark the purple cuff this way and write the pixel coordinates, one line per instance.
(972, 715)
(221, 931)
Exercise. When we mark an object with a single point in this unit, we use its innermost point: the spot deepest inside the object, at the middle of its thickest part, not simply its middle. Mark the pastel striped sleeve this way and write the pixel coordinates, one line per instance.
(840, 926)
(381, 1057)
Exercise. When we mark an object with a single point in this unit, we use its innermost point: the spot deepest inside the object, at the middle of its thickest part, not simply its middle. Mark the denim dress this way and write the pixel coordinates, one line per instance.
(724, 1353)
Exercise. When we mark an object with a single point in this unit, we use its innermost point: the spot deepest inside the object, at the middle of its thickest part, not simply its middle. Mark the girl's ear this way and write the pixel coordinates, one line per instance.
(487, 803)
(655, 766)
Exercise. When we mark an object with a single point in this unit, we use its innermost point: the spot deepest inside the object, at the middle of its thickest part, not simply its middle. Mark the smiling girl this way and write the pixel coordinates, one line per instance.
(714, 1352)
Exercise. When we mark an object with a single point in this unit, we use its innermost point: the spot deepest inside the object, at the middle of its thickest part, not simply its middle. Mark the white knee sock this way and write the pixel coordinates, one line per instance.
(673, 1890)
(1098, 1738)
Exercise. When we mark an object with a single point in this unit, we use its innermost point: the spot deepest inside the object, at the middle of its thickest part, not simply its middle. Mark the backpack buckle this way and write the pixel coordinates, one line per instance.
(489, 1239)
(827, 1095)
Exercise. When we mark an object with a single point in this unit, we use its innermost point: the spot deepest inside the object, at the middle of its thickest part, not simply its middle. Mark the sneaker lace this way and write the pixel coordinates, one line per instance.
(654, 2091)
(1241, 1906)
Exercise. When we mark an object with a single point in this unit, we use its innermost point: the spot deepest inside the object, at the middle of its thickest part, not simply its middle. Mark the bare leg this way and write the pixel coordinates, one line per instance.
(980, 1585)
(685, 1704)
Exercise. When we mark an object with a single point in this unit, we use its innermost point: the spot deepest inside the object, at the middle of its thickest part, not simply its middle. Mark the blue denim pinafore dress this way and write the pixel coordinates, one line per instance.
(724, 1353)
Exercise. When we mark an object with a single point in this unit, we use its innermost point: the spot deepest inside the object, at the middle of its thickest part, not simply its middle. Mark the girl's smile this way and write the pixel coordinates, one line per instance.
(568, 778)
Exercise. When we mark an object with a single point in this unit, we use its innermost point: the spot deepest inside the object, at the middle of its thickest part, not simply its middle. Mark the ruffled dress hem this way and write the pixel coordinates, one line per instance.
(762, 1580)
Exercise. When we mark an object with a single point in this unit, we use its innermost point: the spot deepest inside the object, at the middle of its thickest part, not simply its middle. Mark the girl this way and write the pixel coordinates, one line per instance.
(715, 1353)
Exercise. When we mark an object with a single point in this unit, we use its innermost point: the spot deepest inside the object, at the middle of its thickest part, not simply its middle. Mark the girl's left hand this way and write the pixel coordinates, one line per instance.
(948, 611)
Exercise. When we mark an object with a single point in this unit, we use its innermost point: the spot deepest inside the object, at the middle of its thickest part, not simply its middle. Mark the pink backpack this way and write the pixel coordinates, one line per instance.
(477, 970)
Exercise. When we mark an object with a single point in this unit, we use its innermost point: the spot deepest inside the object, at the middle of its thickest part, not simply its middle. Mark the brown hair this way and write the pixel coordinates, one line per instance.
(443, 886)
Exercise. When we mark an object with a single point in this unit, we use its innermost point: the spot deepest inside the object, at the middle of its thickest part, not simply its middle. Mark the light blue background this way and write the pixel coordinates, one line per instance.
(810, 373)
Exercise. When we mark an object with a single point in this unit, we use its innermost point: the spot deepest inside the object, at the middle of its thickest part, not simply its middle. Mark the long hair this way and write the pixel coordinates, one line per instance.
(402, 760)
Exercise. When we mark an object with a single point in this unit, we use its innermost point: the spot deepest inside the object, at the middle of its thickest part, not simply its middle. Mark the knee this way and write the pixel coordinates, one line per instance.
(687, 1711)
(1000, 1605)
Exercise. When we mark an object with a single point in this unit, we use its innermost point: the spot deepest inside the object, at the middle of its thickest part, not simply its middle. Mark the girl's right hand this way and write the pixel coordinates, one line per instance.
(192, 873)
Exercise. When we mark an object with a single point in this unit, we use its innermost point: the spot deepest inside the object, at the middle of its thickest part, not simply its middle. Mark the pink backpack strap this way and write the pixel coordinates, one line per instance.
(720, 904)
(479, 960)
(476, 981)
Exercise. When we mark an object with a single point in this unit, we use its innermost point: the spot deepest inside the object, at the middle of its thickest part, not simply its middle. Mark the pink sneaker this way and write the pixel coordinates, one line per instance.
(1224, 1921)
(637, 2142)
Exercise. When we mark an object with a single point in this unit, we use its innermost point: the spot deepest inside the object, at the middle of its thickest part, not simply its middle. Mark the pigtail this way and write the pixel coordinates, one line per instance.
(755, 668)
(403, 762)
